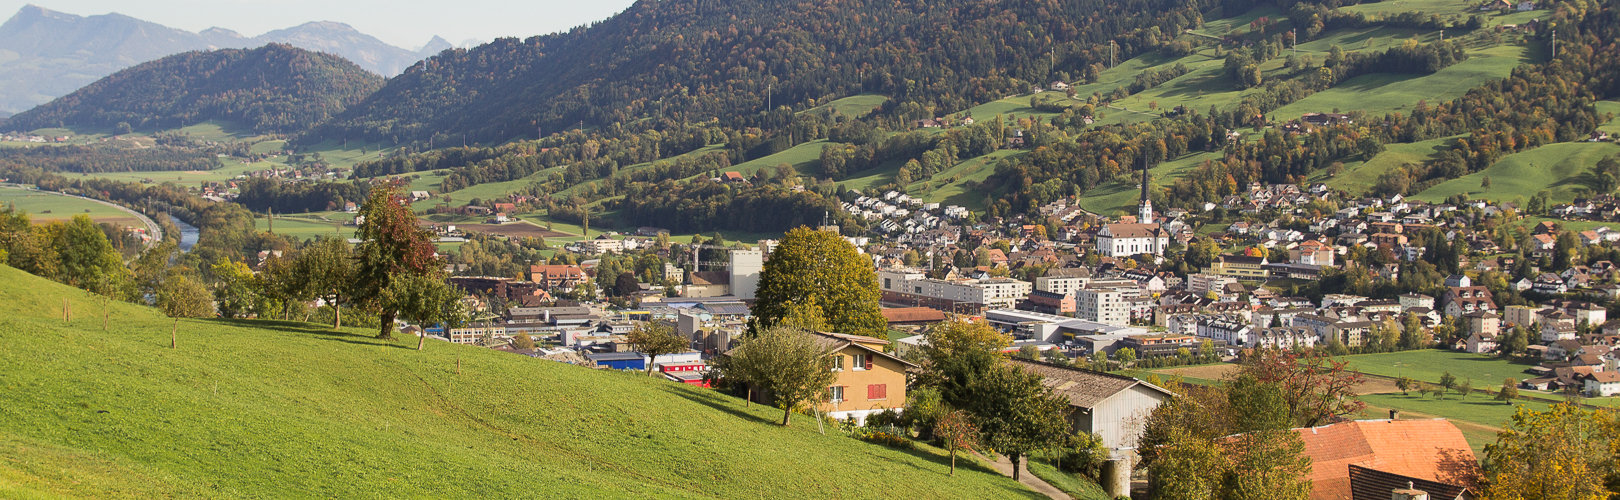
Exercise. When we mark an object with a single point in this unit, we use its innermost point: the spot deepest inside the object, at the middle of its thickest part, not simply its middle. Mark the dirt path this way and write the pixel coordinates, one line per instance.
(1004, 466)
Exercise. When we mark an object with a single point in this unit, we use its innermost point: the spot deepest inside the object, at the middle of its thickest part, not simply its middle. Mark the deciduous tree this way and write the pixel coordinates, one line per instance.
(656, 339)
(392, 246)
(819, 266)
(787, 363)
(957, 433)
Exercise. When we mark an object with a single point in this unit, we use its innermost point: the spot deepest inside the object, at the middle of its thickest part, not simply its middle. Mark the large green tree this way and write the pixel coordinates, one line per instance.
(787, 363)
(819, 266)
(1562, 452)
(392, 245)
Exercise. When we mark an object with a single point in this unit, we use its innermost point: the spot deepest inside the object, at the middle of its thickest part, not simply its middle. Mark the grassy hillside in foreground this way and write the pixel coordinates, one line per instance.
(263, 408)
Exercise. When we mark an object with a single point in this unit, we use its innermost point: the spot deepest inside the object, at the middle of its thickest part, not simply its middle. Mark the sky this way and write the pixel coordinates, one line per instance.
(404, 23)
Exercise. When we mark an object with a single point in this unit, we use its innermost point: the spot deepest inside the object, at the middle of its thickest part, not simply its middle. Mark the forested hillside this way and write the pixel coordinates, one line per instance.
(696, 60)
(272, 89)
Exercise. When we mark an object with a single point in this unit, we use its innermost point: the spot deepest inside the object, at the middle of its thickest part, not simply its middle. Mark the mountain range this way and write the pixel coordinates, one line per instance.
(46, 54)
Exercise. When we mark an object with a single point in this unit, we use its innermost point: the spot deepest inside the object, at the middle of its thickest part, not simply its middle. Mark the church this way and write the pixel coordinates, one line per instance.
(1143, 237)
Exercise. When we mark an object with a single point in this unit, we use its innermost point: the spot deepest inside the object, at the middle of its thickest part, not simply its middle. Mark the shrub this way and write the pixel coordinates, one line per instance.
(1085, 456)
(889, 436)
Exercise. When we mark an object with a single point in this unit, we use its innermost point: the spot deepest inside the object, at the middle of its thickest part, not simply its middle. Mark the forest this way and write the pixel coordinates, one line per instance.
(275, 89)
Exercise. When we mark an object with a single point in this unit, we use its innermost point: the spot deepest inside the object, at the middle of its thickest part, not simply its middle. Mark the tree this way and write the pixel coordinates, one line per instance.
(957, 433)
(237, 291)
(784, 362)
(181, 296)
(1125, 355)
(1465, 386)
(817, 265)
(326, 269)
(1509, 392)
(1015, 412)
(1029, 352)
(1448, 381)
(1562, 452)
(1267, 464)
(392, 246)
(84, 257)
(656, 339)
(952, 336)
(1317, 387)
(625, 285)
(1404, 384)
(1185, 467)
(424, 300)
(523, 341)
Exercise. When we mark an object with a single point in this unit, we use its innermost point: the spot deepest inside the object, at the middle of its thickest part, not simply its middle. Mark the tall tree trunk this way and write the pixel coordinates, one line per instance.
(386, 331)
(953, 461)
(650, 364)
(786, 412)
(337, 313)
(421, 338)
(174, 335)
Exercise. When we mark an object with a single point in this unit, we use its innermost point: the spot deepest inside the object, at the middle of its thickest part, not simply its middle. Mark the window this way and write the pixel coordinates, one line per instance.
(835, 393)
(877, 391)
(837, 363)
(861, 362)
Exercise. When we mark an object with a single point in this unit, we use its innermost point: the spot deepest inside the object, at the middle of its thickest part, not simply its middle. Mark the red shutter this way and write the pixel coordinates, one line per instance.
(877, 391)
(868, 362)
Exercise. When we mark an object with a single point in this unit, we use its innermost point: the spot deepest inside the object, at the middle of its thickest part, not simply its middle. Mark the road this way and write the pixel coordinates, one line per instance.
(1004, 466)
(152, 228)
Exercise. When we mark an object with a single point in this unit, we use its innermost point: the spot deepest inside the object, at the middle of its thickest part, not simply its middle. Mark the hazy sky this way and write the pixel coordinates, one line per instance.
(405, 23)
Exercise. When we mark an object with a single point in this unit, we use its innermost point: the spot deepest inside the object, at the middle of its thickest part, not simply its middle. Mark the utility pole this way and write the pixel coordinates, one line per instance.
(1111, 53)
(1294, 34)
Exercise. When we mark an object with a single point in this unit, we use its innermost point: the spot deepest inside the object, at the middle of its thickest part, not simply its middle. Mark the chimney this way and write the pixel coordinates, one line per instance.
(1410, 493)
(1394, 414)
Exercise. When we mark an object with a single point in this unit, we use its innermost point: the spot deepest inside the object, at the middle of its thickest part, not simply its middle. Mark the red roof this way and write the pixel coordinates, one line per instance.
(1432, 450)
(912, 315)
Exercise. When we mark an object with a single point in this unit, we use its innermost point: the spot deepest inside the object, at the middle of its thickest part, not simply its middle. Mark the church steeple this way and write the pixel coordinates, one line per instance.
(1145, 210)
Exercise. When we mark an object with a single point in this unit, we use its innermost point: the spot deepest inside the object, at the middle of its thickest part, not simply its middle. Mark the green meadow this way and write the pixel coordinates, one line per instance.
(251, 408)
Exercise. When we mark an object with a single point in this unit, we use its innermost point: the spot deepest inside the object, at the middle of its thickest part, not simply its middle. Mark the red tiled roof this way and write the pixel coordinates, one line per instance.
(912, 314)
(1432, 450)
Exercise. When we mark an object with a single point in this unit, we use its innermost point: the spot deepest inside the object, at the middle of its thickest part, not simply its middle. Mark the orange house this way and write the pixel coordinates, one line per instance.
(869, 380)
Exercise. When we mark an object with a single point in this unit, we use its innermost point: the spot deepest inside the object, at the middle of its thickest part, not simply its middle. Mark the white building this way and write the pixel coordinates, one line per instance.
(1124, 240)
(1103, 306)
(1060, 285)
(745, 268)
(1000, 293)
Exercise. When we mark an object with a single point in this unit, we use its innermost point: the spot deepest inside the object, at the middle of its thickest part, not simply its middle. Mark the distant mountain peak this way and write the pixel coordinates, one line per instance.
(434, 46)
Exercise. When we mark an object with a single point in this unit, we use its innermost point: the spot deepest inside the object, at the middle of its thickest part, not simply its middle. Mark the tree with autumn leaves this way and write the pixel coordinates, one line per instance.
(818, 267)
(399, 273)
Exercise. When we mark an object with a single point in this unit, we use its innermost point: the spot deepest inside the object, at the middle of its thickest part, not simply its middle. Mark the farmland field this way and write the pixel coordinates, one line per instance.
(44, 206)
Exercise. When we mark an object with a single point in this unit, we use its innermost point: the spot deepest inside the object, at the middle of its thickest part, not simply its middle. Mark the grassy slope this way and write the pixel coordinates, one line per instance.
(1556, 168)
(261, 408)
(1381, 93)
(1359, 176)
(853, 106)
(1111, 198)
(1613, 125)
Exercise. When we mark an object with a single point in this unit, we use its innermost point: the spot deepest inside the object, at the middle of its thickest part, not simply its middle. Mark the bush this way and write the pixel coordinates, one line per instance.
(887, 418)
(889, 436)
(1085, 456)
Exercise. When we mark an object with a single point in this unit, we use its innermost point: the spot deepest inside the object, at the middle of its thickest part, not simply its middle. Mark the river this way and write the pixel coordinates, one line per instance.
(188, 234)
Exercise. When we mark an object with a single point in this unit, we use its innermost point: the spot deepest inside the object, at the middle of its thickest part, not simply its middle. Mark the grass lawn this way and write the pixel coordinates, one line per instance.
(1613, 108)
(45, 206)
(1427, 365)
(269, 409)
(950, 187)
(1556, 168)
(1381, 93)
(854, 106)
(1360, 176)
(306, 226)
